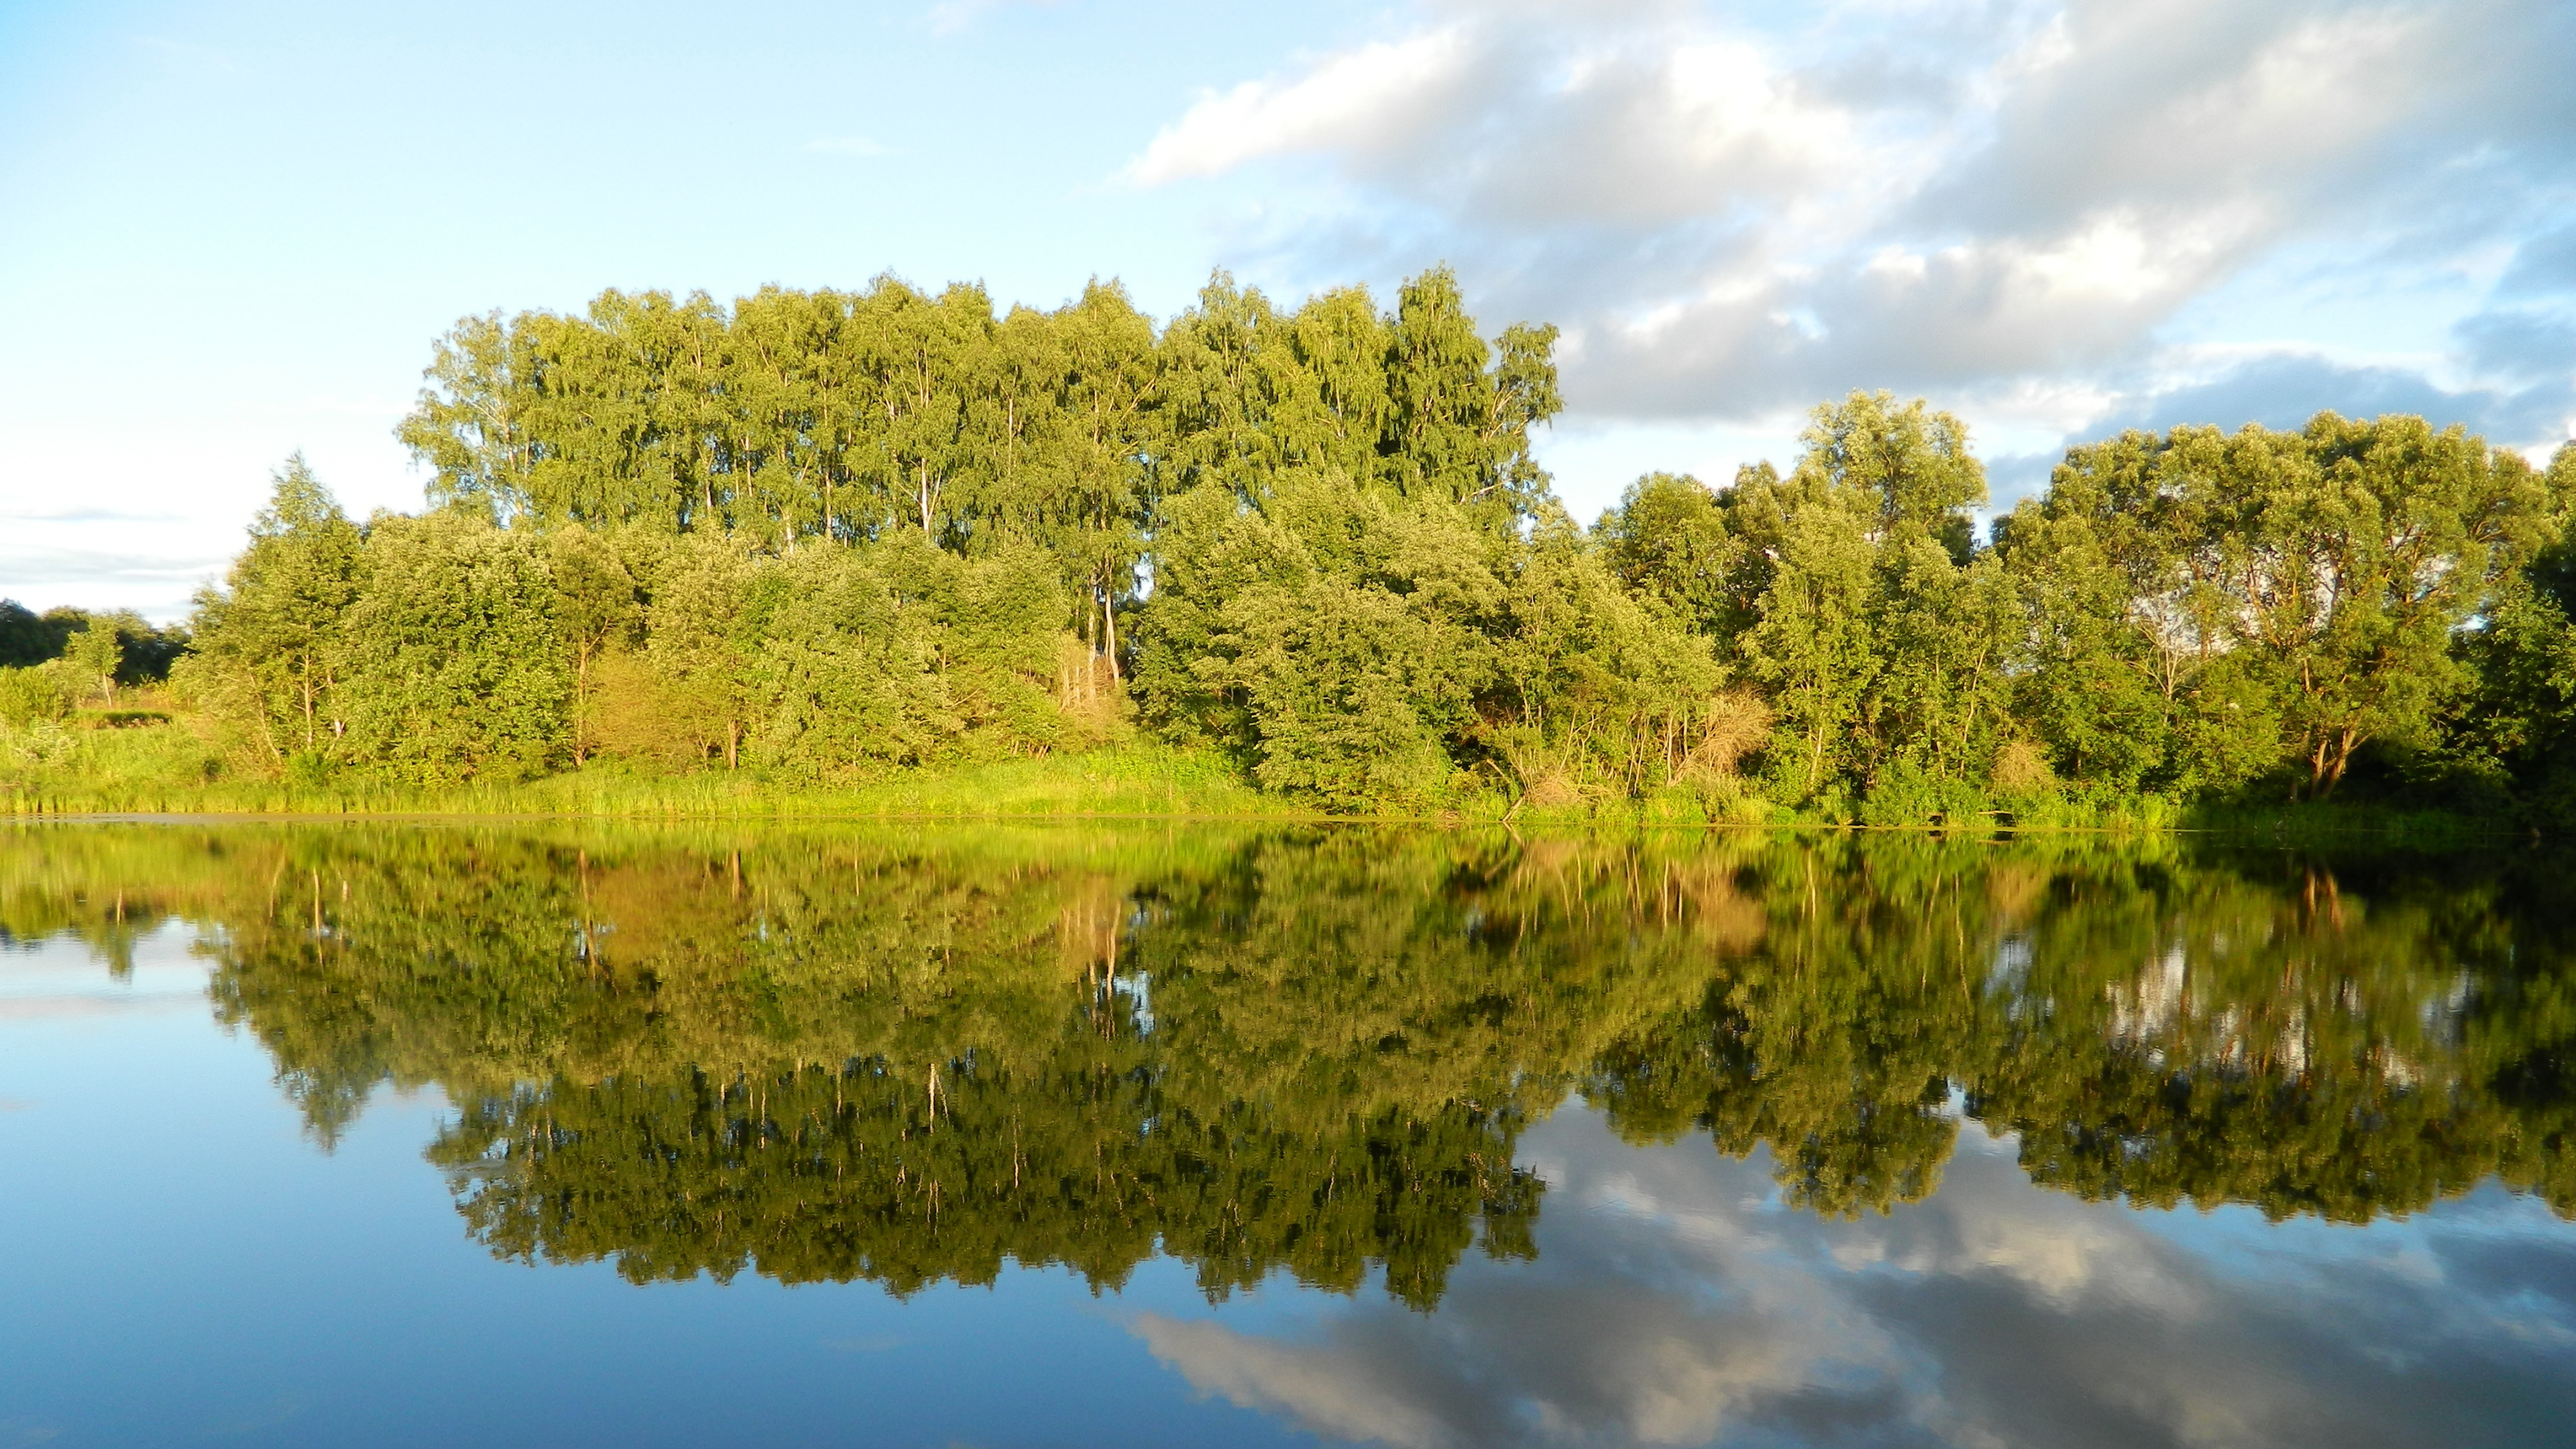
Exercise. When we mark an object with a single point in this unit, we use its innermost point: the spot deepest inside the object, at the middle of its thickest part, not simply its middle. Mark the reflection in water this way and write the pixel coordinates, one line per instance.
(839, 1056)
(1341, 1056)
(1676, 1303)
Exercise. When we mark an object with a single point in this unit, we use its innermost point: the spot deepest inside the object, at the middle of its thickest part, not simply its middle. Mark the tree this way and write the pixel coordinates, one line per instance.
(1102, 489)
(924, 361)
(1317, 539)
(1599, 690)
(2129, 568)
(97, 654)
(703, 640)
(596, 609)
(1669, 541)
(1814, 649)
(1912, 464)
(1458, 431)
(453, 668)
(2096, 562)
(471, 426)
(25, 639)
(2367, 563)
(2515, 725)
(270, 638)
(2285, 596)
(1881, 635)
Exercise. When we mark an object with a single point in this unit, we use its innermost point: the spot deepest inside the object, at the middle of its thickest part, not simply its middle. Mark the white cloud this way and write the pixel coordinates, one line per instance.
(1359, 100)
(1984, 203)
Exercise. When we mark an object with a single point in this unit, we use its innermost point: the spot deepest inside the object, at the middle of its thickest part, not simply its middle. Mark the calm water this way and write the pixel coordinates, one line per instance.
(448, 1135)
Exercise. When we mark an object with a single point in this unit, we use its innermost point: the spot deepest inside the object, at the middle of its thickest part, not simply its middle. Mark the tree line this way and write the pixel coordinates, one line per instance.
(64, 657)
(822, 535)
(827, 1056)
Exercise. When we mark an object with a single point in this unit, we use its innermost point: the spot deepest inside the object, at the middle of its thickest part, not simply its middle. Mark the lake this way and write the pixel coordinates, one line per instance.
(558, 1134)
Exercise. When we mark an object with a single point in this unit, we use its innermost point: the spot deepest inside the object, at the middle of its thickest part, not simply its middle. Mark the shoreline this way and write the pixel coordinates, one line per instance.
(167, 780)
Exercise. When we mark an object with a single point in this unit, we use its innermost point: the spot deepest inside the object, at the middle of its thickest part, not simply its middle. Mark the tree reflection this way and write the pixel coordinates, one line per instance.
(846, 1055)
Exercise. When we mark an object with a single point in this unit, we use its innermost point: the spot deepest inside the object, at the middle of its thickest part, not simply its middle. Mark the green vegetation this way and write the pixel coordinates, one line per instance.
(907, 1057)
(823, 548)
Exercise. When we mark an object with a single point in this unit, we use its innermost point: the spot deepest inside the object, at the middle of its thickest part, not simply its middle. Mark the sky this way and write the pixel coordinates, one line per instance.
(231, 230)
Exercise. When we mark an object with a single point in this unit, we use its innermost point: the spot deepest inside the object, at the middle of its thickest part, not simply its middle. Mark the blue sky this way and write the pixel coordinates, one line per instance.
(230, 230)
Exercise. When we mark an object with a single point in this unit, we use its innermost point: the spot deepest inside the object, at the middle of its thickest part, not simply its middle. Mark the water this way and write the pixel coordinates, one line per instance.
(555, 1135)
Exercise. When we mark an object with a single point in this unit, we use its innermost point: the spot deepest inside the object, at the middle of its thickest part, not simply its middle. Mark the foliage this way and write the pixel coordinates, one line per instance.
(268, 653)
(816, 540)
(2215, 608)
(39, 692)
(144, 652)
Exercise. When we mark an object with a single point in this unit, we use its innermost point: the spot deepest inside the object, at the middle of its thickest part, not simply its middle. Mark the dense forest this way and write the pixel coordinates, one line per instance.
(825, 1056)
(817, 537)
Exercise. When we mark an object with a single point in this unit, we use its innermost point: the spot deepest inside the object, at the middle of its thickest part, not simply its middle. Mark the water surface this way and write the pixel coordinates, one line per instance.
(444, 1134)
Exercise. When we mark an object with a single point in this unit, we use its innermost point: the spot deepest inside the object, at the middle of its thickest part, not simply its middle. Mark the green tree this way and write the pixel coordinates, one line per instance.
(97, 653)
(269, 641)
(1668, 540)
(470, 427)
(596, 609)
(2516, 724)
(2397, 538)
(703, 635)
(452, 666)
(1813, 648)
(25, 638)
(1600, 692)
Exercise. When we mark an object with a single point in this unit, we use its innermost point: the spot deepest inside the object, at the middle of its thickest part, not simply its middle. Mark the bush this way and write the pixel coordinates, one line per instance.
(38, 692)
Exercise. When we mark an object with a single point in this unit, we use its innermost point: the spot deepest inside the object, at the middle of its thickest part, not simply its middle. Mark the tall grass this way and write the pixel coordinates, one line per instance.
(92, 765)
(68, 768)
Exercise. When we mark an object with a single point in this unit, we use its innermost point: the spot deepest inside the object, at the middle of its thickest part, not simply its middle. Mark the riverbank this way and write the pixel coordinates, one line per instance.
(92, 767)
(152, 765)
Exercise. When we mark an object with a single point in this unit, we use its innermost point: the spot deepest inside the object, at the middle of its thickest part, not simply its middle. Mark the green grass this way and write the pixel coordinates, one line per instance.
(94, 765)
(1127, 780)
(64, 769)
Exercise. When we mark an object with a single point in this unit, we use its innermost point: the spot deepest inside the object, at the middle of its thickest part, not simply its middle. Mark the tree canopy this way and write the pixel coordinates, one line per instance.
(823, 536)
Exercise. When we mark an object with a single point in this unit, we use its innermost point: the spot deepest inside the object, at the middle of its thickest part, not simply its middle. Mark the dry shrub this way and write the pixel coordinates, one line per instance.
(2020, 768)
(1551, 789)
(1538, 769)
(1083, 677)
(627, 716)
(1089, 696)
(1733, 724)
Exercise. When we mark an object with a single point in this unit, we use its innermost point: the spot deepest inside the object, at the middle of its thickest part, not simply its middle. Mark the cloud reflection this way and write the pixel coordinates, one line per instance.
(1675, 1301)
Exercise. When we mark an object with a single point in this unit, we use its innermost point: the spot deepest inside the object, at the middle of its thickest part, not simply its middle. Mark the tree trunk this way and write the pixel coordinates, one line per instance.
(1109, 632)
(580, 701)
(2335, 756)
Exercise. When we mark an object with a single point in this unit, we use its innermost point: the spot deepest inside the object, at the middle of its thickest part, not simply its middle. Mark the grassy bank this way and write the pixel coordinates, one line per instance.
(85, 767)
(154, 765)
